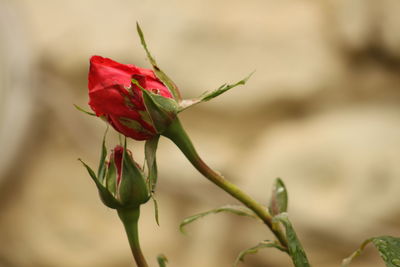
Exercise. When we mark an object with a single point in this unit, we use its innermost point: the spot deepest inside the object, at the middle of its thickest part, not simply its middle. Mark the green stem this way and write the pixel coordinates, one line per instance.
(177, 134)
(130, 218)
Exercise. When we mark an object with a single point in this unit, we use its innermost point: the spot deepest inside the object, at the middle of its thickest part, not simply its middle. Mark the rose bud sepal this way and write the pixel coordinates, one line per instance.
(132, 189)
(159, 73)
(120, 182)
(106, 197)
(208, 95)
(162, 110)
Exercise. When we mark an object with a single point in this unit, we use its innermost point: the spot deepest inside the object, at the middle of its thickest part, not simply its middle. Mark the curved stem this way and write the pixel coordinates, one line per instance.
(130, 218)
(177, 134)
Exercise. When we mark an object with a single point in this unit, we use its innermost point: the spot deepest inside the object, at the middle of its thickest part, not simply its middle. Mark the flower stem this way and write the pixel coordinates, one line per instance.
(177, 134)
(130, 218)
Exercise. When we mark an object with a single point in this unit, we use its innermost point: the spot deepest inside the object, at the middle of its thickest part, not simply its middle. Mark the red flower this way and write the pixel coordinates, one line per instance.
(114, 97)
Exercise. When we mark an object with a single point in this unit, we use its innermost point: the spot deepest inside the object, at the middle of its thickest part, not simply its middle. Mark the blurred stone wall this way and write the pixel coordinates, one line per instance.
(321, 112)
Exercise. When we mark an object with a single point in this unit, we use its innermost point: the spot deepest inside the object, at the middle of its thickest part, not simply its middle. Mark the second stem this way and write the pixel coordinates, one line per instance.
(177, 134)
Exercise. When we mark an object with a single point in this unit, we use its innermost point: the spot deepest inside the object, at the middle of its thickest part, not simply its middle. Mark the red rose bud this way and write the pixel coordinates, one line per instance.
(120, 181)
(132, 99)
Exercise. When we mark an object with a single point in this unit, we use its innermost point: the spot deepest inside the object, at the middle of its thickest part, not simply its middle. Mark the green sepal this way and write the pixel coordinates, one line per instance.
(159, 73)
(162, 260)
(279, 198)
(132, 190)
(388, 247)
(162, 110)
(207, 96)
(85, 111)
(254, 250)
(150, 150)
(102, 165)
(107, 198)
(144, 115)
(296, 250)
(111, 178)
(235, 209)
(155, 203)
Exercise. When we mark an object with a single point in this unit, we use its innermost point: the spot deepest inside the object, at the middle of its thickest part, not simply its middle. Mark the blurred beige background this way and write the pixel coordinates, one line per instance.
(322, 112)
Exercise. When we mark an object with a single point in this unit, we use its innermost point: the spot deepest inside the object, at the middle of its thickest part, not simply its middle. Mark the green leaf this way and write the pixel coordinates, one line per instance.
(159, 73)
(84, 111)
(388, 247)
(296, 250)
(150, 150)
(162, 260)
(107, 198)
(279, 198)
(254, 250)
(207, 96)
(238, 210)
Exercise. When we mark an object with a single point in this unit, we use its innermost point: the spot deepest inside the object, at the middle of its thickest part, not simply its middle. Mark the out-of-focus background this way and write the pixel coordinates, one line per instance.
(321, 112)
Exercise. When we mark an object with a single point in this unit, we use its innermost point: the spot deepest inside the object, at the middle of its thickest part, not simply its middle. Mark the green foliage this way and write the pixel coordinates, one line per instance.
(296, 250)
(238, 210)
(388, 247)
(254, 250)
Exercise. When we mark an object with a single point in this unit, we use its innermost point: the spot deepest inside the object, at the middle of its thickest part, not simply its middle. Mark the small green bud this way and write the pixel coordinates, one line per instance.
(120, 181)
(131, 185)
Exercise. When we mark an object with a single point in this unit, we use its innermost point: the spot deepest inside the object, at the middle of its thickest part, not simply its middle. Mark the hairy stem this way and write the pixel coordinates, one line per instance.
(130, 219)
(177, 134)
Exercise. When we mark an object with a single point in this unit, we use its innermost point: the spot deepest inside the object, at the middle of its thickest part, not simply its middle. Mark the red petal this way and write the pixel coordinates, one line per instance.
(105, 72)
(113, 101)
(117, 154)
(147, 132)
